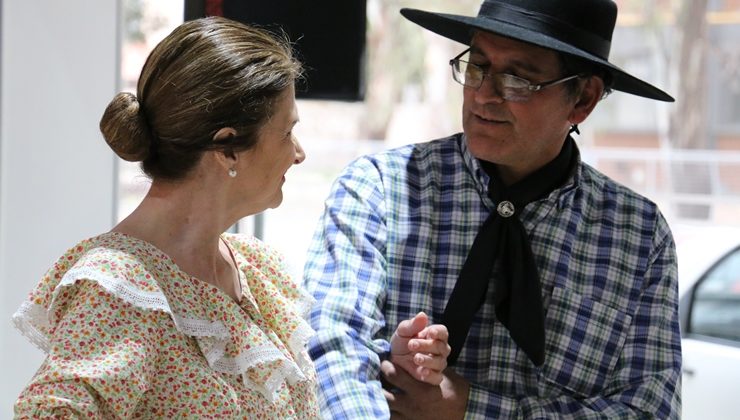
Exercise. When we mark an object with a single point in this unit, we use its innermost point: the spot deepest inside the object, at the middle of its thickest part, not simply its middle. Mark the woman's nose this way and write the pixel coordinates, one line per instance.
(300, 155)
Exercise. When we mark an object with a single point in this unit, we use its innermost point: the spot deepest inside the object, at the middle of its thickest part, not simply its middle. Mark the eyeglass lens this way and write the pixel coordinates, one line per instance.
(507, 86)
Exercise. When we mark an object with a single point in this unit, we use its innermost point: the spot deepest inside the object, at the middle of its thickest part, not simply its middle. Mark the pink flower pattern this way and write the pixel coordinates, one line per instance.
(130, 335)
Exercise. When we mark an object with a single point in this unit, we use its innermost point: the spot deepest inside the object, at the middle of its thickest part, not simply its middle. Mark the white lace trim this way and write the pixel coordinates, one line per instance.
(32, 320)
(297, 343)
(285, 371)
(120, 288)
(145, 300)
(200, 327)
(305, 303)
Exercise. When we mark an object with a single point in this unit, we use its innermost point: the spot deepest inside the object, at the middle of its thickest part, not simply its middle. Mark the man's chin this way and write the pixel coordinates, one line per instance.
(487, 148)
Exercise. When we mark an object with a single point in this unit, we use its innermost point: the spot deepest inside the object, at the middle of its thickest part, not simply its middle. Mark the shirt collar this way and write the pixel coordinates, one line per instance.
(480, 177)
(563, 195)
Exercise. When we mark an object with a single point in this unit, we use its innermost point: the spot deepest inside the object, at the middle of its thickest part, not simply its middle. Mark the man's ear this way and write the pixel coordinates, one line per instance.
(226, 157)
(591, 92)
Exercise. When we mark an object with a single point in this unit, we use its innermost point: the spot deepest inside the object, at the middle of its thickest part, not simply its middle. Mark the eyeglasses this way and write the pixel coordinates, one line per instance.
(507, 86)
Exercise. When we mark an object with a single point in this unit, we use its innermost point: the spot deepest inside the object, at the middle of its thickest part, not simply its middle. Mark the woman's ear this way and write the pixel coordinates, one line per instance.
(591, 92)
(226, 157)
(224, 134)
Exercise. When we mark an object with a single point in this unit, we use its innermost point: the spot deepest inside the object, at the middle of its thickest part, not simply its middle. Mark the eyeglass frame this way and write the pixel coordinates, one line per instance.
(530, 87)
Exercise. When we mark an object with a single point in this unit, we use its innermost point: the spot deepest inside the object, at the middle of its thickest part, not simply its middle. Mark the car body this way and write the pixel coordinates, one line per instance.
(709, 290)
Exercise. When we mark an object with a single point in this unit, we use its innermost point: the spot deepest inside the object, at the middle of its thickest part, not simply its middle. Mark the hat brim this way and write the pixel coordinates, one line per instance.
(460, 28)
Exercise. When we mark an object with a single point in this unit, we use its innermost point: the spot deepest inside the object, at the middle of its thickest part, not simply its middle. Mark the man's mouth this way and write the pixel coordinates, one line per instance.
(489, 120)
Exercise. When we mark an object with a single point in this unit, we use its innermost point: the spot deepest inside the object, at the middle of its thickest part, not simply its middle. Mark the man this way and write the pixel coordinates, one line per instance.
(558, 285)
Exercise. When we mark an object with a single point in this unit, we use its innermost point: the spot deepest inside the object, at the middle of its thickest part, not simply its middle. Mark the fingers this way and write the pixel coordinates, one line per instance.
(428, 368)
(406, 330)
(436, 363)
(389, 397)
(432, 339)
(428, 346)
(411, 327)
(431, 377)
(421, 350)
(405, 383)
(435, 332)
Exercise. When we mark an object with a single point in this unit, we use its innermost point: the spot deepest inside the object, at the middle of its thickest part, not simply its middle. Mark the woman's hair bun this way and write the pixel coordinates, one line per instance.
(125, 128)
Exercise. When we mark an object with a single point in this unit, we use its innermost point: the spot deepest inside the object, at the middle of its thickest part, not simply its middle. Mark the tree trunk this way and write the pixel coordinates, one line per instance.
(688, 122)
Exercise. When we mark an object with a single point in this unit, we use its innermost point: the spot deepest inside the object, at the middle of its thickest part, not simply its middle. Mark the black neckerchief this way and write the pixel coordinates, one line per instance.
(502, 238)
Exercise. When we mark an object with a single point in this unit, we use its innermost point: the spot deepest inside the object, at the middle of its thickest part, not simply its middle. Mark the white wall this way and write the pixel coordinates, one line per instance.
(59, 70)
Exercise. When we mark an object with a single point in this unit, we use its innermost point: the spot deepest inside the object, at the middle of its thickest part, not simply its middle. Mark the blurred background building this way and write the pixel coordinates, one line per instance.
(685, 156)
(61, 66)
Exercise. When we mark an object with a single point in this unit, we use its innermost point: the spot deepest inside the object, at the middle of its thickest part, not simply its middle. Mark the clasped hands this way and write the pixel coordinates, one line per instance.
(416, 381)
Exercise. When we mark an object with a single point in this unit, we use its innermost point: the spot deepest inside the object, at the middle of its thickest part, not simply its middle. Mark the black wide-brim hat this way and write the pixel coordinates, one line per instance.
(582, 28)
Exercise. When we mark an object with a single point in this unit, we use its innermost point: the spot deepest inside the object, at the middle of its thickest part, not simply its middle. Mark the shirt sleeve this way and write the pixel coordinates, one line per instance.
(345, 273)
(101, 355)
(647, 379)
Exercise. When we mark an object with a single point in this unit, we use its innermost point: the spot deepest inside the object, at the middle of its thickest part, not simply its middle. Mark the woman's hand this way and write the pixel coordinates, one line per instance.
(421, 349)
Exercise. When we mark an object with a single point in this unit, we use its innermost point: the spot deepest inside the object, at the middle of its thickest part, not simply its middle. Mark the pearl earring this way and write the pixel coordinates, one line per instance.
(232, 173)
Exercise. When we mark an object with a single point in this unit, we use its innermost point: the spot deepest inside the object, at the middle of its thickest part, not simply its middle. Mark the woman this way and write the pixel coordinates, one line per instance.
(166, 316)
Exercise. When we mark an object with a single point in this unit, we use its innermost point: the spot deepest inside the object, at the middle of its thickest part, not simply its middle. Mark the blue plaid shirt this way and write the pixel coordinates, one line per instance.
(395, 233)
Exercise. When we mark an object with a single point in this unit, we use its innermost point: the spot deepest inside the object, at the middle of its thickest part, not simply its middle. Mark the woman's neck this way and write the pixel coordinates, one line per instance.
(186, 225)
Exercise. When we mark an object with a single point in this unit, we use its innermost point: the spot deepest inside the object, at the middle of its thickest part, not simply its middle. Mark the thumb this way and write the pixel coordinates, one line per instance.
(411, 327)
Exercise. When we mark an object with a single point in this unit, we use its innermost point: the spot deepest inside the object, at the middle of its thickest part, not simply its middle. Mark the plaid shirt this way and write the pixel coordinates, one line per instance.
(396, 231)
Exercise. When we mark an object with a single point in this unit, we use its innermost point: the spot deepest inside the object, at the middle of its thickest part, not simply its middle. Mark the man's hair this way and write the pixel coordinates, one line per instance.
(571, 64)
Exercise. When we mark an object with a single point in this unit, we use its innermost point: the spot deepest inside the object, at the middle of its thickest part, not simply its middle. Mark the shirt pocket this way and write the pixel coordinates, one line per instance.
(584, 341)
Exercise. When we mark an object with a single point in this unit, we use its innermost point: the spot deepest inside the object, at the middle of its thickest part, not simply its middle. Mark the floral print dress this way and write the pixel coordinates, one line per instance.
(130, 335)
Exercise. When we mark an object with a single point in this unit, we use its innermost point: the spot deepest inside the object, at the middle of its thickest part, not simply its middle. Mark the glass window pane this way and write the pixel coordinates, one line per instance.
(716, 307)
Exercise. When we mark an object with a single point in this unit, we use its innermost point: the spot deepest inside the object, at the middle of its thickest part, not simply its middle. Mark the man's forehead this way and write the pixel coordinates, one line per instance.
(529, 56)
(482, 40)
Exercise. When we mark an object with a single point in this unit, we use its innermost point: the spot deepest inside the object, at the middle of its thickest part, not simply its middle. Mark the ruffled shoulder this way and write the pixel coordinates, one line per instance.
(235, 339)
(92, 259)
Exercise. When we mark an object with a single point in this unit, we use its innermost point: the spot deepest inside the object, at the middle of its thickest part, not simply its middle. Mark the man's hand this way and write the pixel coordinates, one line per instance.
(421, 350)
(412, 399)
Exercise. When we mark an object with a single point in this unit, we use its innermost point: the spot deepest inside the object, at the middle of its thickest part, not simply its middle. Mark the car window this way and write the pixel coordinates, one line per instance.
(715, 311)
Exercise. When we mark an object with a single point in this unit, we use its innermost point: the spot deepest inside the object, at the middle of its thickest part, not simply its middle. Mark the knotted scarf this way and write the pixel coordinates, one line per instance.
(503, 243)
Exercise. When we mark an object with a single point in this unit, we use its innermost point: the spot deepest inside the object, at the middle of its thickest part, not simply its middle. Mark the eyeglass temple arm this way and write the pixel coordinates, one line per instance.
(457, 57)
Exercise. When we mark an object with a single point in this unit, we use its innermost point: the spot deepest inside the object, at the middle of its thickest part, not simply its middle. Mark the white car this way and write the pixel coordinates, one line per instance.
(709, 289)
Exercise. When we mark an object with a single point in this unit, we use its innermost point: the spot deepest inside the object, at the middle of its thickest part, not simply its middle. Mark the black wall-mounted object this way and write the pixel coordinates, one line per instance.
(328, 36)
